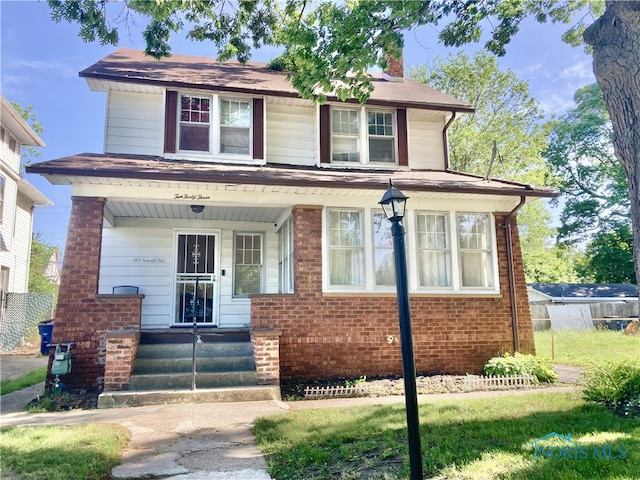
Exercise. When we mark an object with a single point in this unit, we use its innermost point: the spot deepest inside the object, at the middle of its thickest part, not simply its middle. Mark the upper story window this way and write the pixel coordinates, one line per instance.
(195, 123)
(214, 127)
(235, 126)
(371, 141)
(367, 135)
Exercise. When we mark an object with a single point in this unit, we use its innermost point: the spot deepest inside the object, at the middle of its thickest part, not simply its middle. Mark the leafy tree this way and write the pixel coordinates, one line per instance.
(609, 257)
(41, 253)
(545, 261)
(331, 45)
(508, 116)
(28, 153)
(505, 113)
(596, 197)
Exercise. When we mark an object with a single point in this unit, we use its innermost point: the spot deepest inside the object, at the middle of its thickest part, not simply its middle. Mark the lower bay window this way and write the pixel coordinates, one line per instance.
(446, 251)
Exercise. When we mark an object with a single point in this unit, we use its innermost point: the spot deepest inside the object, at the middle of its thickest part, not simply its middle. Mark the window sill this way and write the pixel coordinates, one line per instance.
(211, 158)
(417, 294)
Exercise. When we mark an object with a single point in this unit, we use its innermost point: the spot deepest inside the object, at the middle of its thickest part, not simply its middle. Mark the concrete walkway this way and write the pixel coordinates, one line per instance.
(207, 441)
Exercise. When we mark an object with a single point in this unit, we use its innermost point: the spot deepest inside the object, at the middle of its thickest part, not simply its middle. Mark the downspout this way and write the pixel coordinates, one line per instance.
(512, 275)
(445, 143)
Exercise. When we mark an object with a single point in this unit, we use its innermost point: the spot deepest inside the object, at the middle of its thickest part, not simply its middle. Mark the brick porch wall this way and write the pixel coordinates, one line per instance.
(82, 316)
(325, 335)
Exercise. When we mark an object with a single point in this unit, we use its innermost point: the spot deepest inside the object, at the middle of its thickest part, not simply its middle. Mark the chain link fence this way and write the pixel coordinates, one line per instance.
(19, 313)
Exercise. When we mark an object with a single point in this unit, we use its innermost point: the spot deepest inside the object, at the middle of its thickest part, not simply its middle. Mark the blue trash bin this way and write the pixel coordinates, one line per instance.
(45, 329)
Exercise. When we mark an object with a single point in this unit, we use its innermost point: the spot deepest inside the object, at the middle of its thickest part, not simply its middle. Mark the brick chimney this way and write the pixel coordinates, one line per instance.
(395, 69)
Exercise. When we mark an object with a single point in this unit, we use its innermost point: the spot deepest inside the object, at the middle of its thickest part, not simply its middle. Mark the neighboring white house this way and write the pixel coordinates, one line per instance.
(18, 199)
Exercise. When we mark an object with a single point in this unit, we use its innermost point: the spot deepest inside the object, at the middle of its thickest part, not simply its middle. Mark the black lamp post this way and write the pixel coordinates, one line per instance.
(393, 203)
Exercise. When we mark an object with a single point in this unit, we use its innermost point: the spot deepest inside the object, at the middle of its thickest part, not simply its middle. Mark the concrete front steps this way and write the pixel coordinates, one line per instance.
(162, 371)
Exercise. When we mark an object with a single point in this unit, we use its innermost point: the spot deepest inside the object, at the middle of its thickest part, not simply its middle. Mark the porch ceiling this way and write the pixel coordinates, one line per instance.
(121, 209)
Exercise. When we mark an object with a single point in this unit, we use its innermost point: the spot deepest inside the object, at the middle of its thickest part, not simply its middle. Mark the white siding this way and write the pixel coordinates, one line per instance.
(121, 245)
(135, 123)
(426, 151)
(21, 247)
(9, 157)
(291, 134)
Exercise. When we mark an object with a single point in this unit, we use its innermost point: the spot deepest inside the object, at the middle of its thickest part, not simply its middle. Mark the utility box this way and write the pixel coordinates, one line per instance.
(45, 329)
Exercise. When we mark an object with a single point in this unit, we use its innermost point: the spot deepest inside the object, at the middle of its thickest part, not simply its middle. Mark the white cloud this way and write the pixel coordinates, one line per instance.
(580, 71)
(58, 68)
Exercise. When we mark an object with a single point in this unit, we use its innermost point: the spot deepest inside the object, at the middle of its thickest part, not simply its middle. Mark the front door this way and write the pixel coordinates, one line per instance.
(196, 298)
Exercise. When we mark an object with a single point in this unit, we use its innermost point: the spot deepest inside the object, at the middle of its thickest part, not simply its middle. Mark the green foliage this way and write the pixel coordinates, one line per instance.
(615, 385)
(545, 260)
(41, 253)
(29, 153)
(609, 258)
(593, 182)
(518, 364)
(505, 113)
(83, 452)
(11, 385)
(331, 45)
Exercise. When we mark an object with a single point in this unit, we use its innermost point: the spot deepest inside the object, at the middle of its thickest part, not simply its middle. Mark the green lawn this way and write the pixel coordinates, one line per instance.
(84, 452)
(586, 347)
(33, 377)
(487, 439)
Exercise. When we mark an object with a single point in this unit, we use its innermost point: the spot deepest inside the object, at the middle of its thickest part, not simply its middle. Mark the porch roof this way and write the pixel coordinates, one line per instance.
(69, 170)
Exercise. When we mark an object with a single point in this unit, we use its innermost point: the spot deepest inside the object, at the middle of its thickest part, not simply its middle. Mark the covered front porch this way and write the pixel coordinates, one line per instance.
(178, 267)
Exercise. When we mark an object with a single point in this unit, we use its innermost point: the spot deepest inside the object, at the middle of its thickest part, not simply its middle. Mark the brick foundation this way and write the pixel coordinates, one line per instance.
(266, 353)
(120, 354)
(327, 336)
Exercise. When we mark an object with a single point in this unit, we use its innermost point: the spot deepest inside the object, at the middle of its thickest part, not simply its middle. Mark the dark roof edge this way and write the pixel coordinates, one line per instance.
(161, 83)
(241, 178)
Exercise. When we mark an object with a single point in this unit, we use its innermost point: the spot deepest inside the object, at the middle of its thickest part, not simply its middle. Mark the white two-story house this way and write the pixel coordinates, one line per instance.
(18, 199)
(219, 181)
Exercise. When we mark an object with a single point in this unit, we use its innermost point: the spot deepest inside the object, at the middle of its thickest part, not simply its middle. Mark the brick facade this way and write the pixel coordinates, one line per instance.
(82, 316)
(330, 335)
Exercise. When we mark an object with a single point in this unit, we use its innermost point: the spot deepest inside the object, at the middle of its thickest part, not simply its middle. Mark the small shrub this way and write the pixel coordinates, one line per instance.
(517, 364)
(615, 385)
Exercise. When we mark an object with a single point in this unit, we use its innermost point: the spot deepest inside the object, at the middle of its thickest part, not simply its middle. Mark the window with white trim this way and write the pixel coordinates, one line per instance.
(346, 248)
(247, 264)
(355, 141)
(285, 260)
(383, 257)
(199, 114)
(195, 123)
(235, 126)
(434, 249)
(475, 250)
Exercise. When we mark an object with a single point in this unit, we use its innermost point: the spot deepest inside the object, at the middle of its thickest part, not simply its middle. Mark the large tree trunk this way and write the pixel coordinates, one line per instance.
(615, 38)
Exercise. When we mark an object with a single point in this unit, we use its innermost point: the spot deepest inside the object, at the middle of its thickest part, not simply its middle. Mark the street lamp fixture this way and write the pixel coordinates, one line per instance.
(393, 203)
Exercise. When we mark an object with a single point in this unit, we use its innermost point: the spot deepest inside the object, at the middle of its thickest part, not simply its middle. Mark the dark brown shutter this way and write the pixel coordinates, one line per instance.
(403, 148)
(258, 128)
(170, 120)
(325, 134)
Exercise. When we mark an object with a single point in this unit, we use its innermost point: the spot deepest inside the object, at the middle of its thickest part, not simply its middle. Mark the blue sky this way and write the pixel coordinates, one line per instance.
(40, 61)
